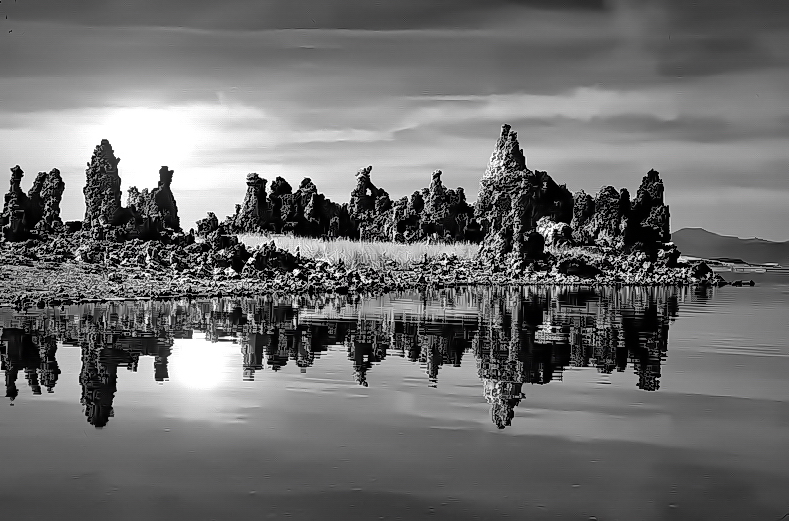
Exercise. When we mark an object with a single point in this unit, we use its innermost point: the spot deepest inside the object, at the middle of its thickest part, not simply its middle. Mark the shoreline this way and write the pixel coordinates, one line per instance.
(69, 268)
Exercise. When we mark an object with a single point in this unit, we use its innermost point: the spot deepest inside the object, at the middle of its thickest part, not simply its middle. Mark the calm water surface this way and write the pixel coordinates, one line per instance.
(528, 403)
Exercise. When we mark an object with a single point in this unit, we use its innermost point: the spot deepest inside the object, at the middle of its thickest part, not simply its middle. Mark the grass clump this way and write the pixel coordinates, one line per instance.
(355, 254)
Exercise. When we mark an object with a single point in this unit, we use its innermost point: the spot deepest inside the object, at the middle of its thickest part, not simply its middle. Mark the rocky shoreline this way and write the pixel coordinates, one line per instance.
(70, 268)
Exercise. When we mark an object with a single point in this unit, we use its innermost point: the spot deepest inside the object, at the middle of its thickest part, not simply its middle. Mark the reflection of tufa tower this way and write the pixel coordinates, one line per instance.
(32, 354)
(516, 336)
(367, 345)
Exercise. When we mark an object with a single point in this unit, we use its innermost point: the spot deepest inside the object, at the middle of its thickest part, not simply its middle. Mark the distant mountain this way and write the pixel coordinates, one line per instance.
(699, 242)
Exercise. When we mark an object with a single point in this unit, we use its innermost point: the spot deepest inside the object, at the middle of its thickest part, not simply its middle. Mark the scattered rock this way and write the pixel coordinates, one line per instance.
(578, 267)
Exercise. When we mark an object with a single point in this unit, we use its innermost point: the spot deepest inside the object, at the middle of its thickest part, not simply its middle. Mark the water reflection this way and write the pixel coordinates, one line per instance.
(515, 336)
(31, 353)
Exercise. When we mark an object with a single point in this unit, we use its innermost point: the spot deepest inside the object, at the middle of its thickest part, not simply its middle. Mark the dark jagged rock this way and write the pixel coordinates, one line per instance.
(600, 222)
(150, 212)
(404, 225)
(577, 267)
(38, 210)
(316, 213)
(73, 226)
(607, 218)
(220, 239)
(14, 224)
(233, 256)
(268, 257)
(140, 218)
(207, 225)
(512, 199)
(507, 156)
(583, 210)
(280, 188)
(305, 212)
(555, 234)
(252, 215)
(48, 192)
(611, 220)
(165, 200)
(701, 270)
(446, 214)
(368, 207)
(649, 216)
(35, 205)
(434, 213)
(668, 255)
(102, 190)
(364, 195)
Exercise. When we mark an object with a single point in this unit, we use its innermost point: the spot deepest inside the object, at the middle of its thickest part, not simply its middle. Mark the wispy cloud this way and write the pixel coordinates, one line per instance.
(599, 91)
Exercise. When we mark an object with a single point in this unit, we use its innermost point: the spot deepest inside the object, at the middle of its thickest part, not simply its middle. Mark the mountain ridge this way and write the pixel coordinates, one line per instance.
(699, 242)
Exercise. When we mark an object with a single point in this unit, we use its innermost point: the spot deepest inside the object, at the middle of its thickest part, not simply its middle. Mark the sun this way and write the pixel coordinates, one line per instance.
(146, 138)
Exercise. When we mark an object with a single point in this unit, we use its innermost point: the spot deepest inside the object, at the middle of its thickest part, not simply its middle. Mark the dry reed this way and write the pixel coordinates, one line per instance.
(362, 253)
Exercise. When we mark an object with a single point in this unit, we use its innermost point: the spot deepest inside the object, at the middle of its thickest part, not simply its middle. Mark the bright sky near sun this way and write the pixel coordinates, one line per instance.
(600, 91)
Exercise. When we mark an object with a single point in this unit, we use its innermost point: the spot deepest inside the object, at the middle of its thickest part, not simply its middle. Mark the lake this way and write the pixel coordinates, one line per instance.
(495, 403)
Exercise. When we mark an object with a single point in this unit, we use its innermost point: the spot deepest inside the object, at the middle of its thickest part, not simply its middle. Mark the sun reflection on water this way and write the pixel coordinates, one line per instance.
(201, 367)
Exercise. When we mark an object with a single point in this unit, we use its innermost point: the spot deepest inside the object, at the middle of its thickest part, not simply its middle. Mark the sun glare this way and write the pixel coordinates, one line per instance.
(147, 138)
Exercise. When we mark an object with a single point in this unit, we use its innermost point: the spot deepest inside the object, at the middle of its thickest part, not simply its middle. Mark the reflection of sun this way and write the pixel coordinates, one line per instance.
(147, 138)
(198, 365)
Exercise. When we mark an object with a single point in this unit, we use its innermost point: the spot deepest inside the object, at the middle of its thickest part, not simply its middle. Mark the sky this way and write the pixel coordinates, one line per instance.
(599, 91)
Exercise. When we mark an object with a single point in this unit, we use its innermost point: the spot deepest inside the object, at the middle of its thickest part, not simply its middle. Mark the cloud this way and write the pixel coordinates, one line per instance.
(580, 103)
(710, 37)
(254, 15)
(599, 91)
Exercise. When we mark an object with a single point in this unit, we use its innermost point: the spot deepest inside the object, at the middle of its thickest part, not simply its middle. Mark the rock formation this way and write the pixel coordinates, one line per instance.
(554, 234)
(602, 221)
(102, 190)
(445, 213)
(404, 224)
(507, 156)
(148, 213)
(583, 210)
(253, 214)
(165, 200)
(649, 216)
(207, 225)
(15, 227)
(278, 197)
(611, 220)
(45, 197)
(38, 210)
(368, 208)
(305, 212)
(434, 213)
(316, 213)
(512, 199)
